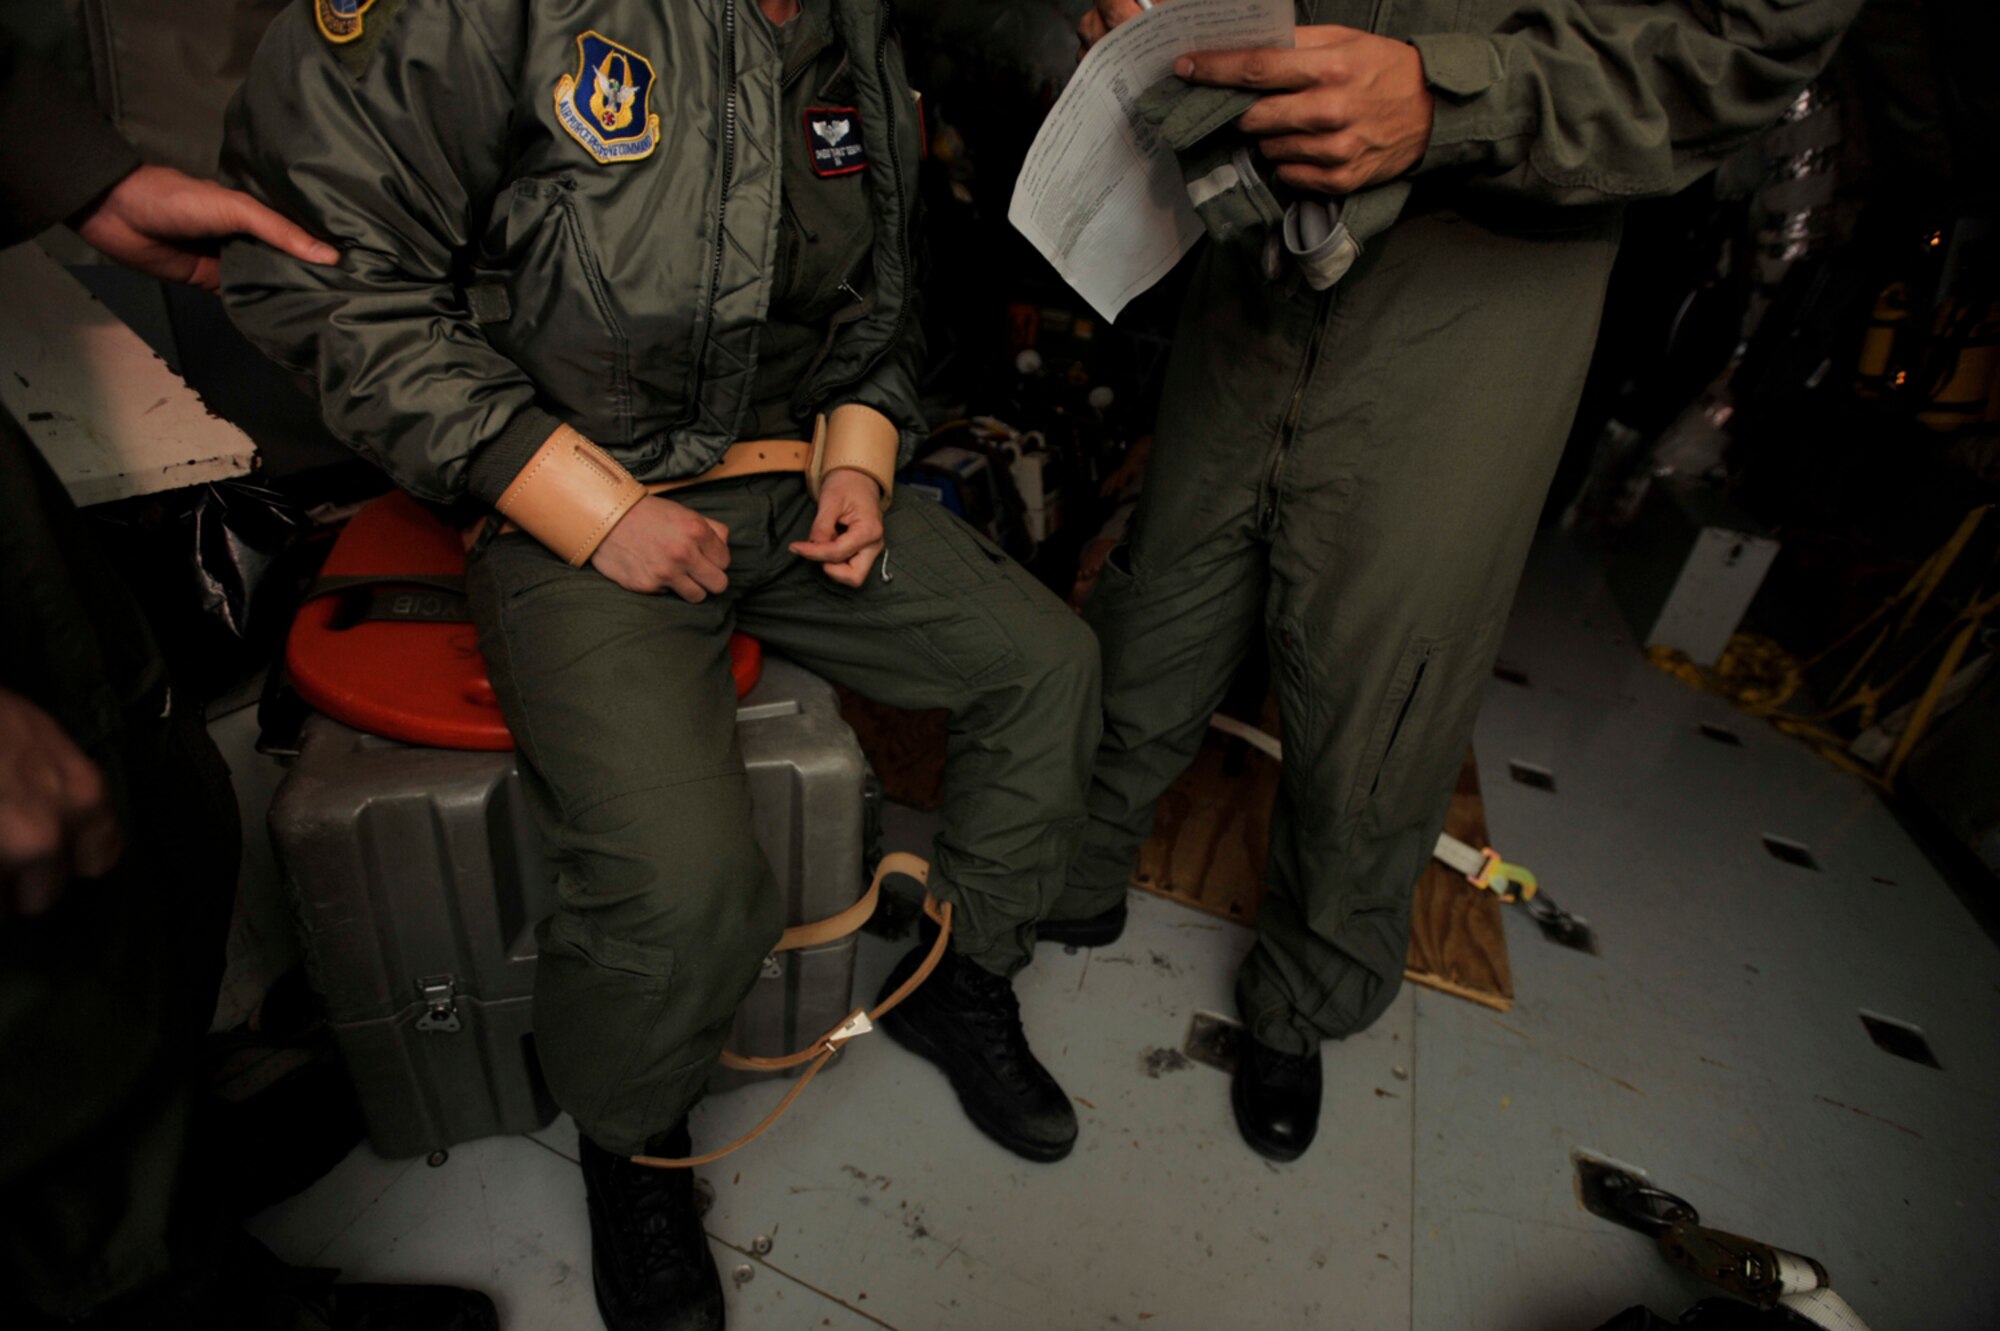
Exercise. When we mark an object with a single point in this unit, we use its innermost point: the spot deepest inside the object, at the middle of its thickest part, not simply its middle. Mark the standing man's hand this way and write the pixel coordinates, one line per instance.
(169, 225)
(661, 546)
(1346, 109)
(847, 535)
(1098, 21)
(55, 815)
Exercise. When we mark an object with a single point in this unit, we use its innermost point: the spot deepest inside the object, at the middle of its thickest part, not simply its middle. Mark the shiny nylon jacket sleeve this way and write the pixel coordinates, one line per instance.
(891, 387)
(1590, 101)
(393, 166)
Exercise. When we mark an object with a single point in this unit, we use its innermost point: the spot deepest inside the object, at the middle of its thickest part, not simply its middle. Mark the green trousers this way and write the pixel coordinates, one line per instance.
(624, 713)
(1356, 475)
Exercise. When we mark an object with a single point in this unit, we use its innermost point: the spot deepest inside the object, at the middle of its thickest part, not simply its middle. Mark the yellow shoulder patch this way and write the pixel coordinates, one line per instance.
(340, 21)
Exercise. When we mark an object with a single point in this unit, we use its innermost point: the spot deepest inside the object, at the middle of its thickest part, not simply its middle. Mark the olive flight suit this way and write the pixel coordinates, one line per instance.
(622, 704)
(1355, 473)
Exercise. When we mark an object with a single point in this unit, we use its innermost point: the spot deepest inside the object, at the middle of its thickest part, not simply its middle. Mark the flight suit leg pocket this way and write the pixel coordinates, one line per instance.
(601, 1028)
(1423, 725)
(945, 591)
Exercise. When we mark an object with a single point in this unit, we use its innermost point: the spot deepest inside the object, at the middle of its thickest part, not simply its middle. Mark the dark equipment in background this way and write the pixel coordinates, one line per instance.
(1035, 401)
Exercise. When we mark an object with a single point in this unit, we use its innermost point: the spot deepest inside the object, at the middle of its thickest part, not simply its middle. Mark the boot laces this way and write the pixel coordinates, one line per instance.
(994, 1013)
(663, 1220)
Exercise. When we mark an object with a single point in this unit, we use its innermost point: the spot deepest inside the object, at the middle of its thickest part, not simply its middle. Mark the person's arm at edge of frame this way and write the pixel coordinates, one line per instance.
(62, 161)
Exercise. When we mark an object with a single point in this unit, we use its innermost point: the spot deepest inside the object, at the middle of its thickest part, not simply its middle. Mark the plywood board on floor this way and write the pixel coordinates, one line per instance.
(1207, 851)
(906, 749)
(1210, 833)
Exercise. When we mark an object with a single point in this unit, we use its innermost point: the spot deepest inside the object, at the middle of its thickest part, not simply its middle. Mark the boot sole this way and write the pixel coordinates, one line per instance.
(642, 1322)
(1042, 1153)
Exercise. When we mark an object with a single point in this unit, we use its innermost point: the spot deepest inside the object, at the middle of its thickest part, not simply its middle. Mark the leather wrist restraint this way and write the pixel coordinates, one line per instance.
(855, 438)
(570, 495)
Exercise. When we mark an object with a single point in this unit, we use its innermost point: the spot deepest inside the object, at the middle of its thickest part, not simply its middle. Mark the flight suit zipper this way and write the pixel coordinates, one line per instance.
(1267, 517)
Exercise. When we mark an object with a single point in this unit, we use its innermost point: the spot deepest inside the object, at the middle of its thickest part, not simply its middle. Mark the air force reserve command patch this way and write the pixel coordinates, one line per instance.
(340, 20)
(607, 104)
(833, 138)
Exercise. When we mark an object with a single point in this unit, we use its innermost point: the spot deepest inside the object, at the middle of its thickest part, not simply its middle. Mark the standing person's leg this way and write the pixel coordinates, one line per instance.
(105, 995)
(103, 1003)
(1449, 371)
(951, 622)
(1178, 605)
(624, 714)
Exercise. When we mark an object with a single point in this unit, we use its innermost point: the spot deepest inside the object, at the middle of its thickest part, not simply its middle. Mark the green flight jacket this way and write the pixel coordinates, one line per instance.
(511, 263)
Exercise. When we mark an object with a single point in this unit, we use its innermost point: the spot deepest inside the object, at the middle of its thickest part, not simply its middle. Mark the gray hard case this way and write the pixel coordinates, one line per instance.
(418, 876)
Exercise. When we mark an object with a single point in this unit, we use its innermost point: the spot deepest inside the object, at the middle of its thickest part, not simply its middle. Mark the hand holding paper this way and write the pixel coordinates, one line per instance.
(1346, 110)
(1099, 195)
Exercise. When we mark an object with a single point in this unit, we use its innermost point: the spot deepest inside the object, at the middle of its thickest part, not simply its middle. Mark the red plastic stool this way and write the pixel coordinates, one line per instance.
(407, 678)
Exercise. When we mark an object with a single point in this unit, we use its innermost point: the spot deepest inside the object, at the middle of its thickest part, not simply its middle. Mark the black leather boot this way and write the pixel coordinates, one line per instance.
(1276, 1097)
(1099, 930)
(967, 1021)
(648, 1256)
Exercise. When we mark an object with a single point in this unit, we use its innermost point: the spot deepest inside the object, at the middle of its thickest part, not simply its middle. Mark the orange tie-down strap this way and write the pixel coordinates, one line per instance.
(821, 1051)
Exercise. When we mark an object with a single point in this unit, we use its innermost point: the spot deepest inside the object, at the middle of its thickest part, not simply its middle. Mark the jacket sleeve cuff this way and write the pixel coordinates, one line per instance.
(1465, 73)
(496, 464)
(570, 495)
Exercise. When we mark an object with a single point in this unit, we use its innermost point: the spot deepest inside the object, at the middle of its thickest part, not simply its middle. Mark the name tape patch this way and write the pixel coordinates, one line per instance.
(833, 140)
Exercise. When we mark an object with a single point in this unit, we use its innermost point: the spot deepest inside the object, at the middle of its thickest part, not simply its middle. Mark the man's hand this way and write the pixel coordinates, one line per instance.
(661, 546)
(1098, 21)
(1348, 109)
(170, 226)
(847, 534)
(55, 818)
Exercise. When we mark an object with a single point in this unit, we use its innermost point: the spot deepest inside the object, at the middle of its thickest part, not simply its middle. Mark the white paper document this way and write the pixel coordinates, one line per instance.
(1101, 195)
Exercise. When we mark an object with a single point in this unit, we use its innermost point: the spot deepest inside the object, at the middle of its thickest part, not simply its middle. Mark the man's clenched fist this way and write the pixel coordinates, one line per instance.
(661, 546)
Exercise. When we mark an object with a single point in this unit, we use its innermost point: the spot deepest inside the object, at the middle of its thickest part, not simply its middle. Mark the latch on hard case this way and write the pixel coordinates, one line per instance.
(440, 1007)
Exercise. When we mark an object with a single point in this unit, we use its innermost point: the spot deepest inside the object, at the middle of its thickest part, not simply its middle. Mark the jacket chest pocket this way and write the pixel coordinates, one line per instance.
(538, 294)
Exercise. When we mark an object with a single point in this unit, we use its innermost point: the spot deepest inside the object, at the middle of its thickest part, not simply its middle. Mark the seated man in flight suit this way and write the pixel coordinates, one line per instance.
(592, 248)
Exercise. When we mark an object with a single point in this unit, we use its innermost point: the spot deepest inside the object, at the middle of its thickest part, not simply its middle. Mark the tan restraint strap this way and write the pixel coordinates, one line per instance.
(754, 457)
(570, 495)
(855, 438)
(863, 1020)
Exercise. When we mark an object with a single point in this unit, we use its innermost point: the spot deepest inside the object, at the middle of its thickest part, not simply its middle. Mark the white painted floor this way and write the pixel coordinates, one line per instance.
(1715, 1043)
